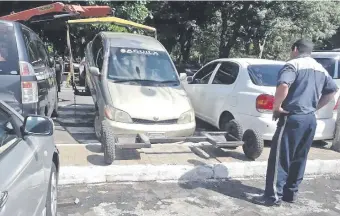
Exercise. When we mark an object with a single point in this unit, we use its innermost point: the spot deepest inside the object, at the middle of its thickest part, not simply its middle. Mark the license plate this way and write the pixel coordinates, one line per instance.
(156, 135)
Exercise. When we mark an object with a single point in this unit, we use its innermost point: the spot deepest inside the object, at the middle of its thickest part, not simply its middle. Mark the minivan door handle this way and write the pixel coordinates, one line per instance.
(3, 198)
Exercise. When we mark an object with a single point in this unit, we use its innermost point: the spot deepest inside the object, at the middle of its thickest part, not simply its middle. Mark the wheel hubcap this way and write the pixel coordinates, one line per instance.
(54, 194)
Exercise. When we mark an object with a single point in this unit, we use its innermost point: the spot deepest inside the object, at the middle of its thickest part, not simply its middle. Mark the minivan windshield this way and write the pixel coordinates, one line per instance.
(264, 74)
(329, 65)
(140, 65)
(9, 60)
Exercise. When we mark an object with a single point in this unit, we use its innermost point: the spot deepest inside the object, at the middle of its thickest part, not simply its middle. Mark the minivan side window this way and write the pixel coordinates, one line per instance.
(42, 51)
(33, 52)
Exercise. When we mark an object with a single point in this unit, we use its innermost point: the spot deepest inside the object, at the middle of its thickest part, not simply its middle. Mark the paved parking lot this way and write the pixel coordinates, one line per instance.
(78, 144)
(318, 197)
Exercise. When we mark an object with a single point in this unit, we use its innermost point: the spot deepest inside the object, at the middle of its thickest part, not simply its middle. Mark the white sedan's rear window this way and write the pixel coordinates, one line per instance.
(264, 74)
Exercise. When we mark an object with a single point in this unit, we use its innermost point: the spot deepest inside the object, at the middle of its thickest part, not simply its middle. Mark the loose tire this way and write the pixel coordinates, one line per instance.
(109, 143)
(234, 128)
(253, 144)
(52, 193)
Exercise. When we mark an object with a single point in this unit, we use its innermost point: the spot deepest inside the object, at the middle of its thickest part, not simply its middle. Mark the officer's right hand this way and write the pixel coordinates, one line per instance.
(277, 113)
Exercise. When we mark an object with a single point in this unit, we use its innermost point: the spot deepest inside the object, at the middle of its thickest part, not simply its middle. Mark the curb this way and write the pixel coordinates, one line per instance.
(223, 171)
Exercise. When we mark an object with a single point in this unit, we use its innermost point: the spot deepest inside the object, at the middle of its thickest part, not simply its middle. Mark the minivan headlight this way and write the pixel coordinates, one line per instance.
(186, 117)
(117, 115)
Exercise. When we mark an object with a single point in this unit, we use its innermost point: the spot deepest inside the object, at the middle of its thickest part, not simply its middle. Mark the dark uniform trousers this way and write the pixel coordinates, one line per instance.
(288, 155)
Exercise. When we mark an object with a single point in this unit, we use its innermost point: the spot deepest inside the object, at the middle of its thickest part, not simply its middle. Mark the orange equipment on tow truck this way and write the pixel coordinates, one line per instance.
(59, 10)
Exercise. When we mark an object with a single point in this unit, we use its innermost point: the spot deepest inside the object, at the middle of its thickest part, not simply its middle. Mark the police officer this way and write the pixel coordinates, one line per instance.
(303, 87)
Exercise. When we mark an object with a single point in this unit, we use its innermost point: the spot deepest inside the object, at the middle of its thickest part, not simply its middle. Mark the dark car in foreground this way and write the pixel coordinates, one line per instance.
(29, 164)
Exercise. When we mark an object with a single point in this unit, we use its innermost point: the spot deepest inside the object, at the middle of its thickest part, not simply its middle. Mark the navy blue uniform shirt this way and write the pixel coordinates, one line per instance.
(307, 80)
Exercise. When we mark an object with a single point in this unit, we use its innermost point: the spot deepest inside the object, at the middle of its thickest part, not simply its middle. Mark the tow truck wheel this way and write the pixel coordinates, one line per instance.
(253, 144)
(109, 143)
(235, 129)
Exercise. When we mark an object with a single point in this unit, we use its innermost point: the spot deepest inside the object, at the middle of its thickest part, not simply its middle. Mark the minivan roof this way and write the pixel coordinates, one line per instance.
(10, 23)
(136, 41)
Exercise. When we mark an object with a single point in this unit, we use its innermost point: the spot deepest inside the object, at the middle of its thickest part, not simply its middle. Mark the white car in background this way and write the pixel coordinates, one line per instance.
(330, 60)
(242, 90)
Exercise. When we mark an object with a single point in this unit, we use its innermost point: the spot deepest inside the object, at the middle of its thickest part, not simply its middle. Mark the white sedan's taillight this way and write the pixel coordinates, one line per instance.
(29, 89)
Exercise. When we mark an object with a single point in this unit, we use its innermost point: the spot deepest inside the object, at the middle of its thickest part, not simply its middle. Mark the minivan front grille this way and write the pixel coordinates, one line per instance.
(144, 121)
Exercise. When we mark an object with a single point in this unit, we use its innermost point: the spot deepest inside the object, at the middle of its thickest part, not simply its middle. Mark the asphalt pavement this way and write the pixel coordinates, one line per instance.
(320, 196)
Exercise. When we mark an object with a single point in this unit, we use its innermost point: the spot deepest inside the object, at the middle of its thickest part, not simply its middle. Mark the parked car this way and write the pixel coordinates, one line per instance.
(135, 87)
(189, 69)
(29, 164)
(27, 77)
(242, 90)
(330, 60)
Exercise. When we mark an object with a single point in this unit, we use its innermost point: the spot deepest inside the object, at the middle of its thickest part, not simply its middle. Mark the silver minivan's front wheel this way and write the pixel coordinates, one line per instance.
(52, 194)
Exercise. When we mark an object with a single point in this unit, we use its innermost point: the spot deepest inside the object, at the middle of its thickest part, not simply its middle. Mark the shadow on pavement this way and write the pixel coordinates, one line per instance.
(212, 152)
(121, 154)
(231, 188)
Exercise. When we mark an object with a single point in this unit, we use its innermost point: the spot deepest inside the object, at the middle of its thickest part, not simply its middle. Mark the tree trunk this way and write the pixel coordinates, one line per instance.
(262, 47)
(226, 48)
(224, 16)
(188, 45)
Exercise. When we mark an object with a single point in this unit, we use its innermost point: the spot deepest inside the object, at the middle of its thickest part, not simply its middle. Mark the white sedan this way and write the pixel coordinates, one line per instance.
(243, 89)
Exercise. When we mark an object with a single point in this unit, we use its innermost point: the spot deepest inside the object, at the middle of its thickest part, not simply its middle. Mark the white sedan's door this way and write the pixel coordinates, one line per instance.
(218, 92)
(196, 87)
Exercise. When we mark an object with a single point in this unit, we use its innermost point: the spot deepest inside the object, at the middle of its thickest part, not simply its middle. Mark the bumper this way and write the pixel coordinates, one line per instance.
(325, 129)
(266, 127)
(173, 130)
(263, 125)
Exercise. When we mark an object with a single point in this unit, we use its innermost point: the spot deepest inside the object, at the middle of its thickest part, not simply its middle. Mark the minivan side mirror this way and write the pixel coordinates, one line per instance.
(37, 125)
(94, 71)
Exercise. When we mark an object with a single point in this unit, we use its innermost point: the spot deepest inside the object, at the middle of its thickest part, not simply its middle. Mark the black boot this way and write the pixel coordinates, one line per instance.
(266, 201)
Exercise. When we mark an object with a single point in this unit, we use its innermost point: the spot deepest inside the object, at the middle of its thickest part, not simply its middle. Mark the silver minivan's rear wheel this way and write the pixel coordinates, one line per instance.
(52, 194)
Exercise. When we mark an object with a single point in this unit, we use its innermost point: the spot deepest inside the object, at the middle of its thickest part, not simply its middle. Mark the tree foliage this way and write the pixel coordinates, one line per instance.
(197, 31)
